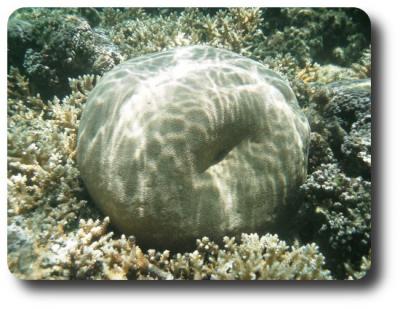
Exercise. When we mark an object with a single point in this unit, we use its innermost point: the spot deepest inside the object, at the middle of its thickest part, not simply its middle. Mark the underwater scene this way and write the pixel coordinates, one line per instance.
(189, 144)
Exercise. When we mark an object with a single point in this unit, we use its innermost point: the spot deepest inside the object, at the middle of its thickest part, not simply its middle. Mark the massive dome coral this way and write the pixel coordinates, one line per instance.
(192, 141)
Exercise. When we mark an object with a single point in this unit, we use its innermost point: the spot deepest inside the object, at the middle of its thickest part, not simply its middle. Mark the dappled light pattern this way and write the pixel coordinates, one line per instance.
(189, 142)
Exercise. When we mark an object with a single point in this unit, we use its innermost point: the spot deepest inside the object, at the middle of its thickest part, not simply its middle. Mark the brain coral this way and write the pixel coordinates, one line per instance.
(189, 142)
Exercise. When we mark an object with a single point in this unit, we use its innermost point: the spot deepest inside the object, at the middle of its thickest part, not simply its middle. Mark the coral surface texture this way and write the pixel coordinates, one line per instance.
(192, 141)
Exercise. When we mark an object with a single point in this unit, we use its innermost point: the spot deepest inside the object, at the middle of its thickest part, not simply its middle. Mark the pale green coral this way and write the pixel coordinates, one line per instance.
(192, 141)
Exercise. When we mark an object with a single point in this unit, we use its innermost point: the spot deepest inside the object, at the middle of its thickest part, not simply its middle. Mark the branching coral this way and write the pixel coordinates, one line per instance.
(90, 252)
(320, 152)
(95, 254)
(41, 145)
(363, 66)
(340, 209)
(43, 182)
(140, 32)
(338, 188)
(254, 258)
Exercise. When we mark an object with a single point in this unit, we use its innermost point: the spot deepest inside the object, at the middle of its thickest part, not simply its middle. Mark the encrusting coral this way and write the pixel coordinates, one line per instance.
(54, 57)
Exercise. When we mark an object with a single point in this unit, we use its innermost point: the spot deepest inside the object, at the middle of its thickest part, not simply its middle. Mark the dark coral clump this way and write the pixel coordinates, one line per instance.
(338, 215)
(347, 119)
(54, 46)
(336, 212)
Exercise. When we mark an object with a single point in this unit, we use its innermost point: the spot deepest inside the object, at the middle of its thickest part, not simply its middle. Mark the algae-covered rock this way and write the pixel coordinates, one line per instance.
(190, 142)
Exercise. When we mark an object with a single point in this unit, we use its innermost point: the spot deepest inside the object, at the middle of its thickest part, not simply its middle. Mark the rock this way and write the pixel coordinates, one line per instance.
(193, 141)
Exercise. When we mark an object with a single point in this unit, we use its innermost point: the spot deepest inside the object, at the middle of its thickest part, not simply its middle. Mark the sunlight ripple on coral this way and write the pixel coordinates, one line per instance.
(192, 141)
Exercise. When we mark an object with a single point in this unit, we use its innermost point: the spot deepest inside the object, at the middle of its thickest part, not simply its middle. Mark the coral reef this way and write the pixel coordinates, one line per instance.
(54, 229)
